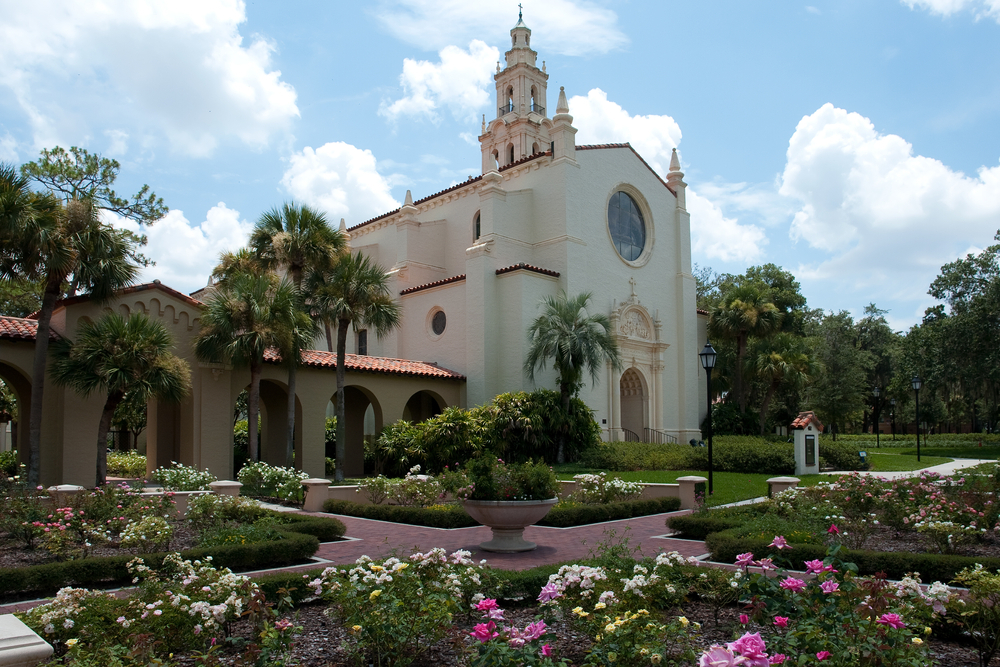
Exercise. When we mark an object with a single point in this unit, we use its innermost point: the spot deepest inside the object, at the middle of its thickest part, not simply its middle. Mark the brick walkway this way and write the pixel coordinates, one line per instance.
(555, 545)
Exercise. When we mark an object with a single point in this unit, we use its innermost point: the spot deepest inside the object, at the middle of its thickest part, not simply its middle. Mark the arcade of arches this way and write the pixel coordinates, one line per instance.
(199, 430)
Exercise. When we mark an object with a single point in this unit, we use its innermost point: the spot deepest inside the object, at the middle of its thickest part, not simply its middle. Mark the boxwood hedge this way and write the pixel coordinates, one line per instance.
(301, 538)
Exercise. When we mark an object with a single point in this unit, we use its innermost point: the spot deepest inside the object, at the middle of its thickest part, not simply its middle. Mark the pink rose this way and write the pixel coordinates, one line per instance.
(892, 620)
(781, 621)
(718, 656)
(751, 649)
(823, 655)
(829, 586)
(484, 632)
(546, 651)
(779, 542)
(744, 619)
(833, 530)
(793, 584)
(549, 592)
(487, 604)
(777, 659)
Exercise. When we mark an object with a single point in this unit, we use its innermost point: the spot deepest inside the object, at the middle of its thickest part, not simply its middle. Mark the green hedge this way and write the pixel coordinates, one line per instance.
(745, 454)
(579, 515)
(895, 564)
(700, 525)
(456, 517)
(301, 538)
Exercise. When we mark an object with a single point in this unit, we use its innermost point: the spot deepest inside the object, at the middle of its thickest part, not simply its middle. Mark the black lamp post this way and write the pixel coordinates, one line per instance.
(708, 356)
(875, 393)
(915, 383)
(892, 416)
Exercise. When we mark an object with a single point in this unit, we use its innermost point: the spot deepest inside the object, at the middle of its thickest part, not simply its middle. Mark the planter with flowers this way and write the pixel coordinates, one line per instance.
(508, 498)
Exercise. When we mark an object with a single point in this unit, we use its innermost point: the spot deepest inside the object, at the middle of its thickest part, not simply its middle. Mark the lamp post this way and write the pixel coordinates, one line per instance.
(915, 383)
(892, 416)
(708, 356)
(875, 393)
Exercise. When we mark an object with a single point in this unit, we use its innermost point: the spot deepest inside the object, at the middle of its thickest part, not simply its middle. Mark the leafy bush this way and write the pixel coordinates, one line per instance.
(594, 489)
(331, 467)
(840, 455)
(8, 464)
(131, 465)
(627, 456)
(149, 534)
(179, 477)
(211, 510)
(224, 535)
(436, 516)
(261, 479)
(492, 479)
(569, 515)
(514, 427)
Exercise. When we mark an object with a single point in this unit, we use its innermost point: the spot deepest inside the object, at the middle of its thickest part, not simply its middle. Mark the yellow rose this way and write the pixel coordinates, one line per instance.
(355, 628)
(918, 640)
(609, 628)
(599, 605)
(374, 594)
(684, 621)
(376, 568)
(72, 642)
(927, 630)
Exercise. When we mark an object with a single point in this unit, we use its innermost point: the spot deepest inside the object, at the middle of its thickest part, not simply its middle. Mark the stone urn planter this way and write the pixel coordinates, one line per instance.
(508, 519)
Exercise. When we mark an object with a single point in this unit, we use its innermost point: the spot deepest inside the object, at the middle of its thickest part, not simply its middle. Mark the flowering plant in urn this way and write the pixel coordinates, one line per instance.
(493, 479)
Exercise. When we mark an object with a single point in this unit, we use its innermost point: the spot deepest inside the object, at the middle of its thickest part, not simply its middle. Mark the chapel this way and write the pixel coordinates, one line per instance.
(472, 263)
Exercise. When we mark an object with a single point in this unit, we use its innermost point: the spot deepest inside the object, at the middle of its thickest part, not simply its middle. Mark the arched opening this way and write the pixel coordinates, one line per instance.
(363, 422)
(509, 103)
(15, 408)
(496, 159)
(534, 148)
(272, 427)
(422, 406)
(476, 227)
(510, 153)
(633, 402)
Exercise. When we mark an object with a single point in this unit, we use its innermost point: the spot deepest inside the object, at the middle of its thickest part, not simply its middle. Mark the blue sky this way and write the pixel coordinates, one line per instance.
(854, 142)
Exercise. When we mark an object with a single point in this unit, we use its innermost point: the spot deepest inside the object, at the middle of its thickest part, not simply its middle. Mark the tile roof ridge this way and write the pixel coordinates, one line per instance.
(527, 267)
(436, 283)
(468, 181)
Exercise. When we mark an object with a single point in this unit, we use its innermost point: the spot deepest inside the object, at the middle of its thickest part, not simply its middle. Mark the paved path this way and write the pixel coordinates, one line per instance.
(943, 469)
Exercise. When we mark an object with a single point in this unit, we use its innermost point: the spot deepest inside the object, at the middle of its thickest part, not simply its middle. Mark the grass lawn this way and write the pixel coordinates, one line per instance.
(887, 462)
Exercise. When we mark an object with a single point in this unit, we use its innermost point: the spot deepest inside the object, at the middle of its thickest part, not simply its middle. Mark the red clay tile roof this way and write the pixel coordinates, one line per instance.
(702, 311)
(419, 201)
(436, 283)
(364, 364)
(592, 147)
(527, 267)
(804, 418)
(528, 158)
(156, 284)
(19, 328)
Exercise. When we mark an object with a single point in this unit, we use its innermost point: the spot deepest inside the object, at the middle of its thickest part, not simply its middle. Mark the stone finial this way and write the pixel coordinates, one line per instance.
(343, 226)
(563, 105)
(498, 67)
(484, 123)
(409, 199)
(675, 163)
(543, 65)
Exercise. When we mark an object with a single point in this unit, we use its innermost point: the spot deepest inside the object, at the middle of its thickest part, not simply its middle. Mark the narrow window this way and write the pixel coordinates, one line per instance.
(534, 148)
(510, 154)
(363, 342)
(476, 227)
(496, 159)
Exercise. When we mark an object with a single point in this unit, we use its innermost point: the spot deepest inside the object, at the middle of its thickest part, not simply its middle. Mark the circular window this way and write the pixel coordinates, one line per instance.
(438, 322)
(627, 227)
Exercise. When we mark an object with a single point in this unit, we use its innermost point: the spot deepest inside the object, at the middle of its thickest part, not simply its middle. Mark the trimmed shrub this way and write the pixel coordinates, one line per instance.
(579, 515)
(700, 525)
(839, 455)
(437, 516)
(300, 540)
(627, 456)
(8, 463)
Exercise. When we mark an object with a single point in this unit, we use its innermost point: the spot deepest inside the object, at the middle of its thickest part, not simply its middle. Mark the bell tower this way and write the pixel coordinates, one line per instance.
(521, 127)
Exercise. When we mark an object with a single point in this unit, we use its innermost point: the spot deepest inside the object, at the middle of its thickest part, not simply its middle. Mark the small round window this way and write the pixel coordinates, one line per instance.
(439, 322)
(627, 227)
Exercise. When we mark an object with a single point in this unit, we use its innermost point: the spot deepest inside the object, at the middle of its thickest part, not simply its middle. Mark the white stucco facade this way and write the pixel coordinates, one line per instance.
(542, 210)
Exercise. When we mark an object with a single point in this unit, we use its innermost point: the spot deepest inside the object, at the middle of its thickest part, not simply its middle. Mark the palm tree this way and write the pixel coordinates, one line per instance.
(745, 312)
(575, 341)
(116, 355)
(295, 238)
(47, 241)
(781, 360)
(354, 292)
(231, 263)
(243, 318)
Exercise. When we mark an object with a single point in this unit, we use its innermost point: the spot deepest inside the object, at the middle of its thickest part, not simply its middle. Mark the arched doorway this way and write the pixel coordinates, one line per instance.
(363, 420)
(19, 385)
(633, 401)
(422, 406)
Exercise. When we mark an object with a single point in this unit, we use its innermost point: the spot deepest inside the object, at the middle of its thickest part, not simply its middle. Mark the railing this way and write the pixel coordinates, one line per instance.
(659, 437)
(537, 108)
(651, 435)
(505, 109)
(623, 435)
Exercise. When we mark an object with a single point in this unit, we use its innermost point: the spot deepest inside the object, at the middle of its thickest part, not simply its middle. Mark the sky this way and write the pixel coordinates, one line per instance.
(855, 143)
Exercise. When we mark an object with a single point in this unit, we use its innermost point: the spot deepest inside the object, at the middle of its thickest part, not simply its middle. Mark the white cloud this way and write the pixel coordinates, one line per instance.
(458, 82)
(889, 218)
(177, 68)
(117, 142)
(600, 120)
(185, 253)
(980, 8)
(715, 236)
(8, 148)
(341, 180)
(568, 27)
